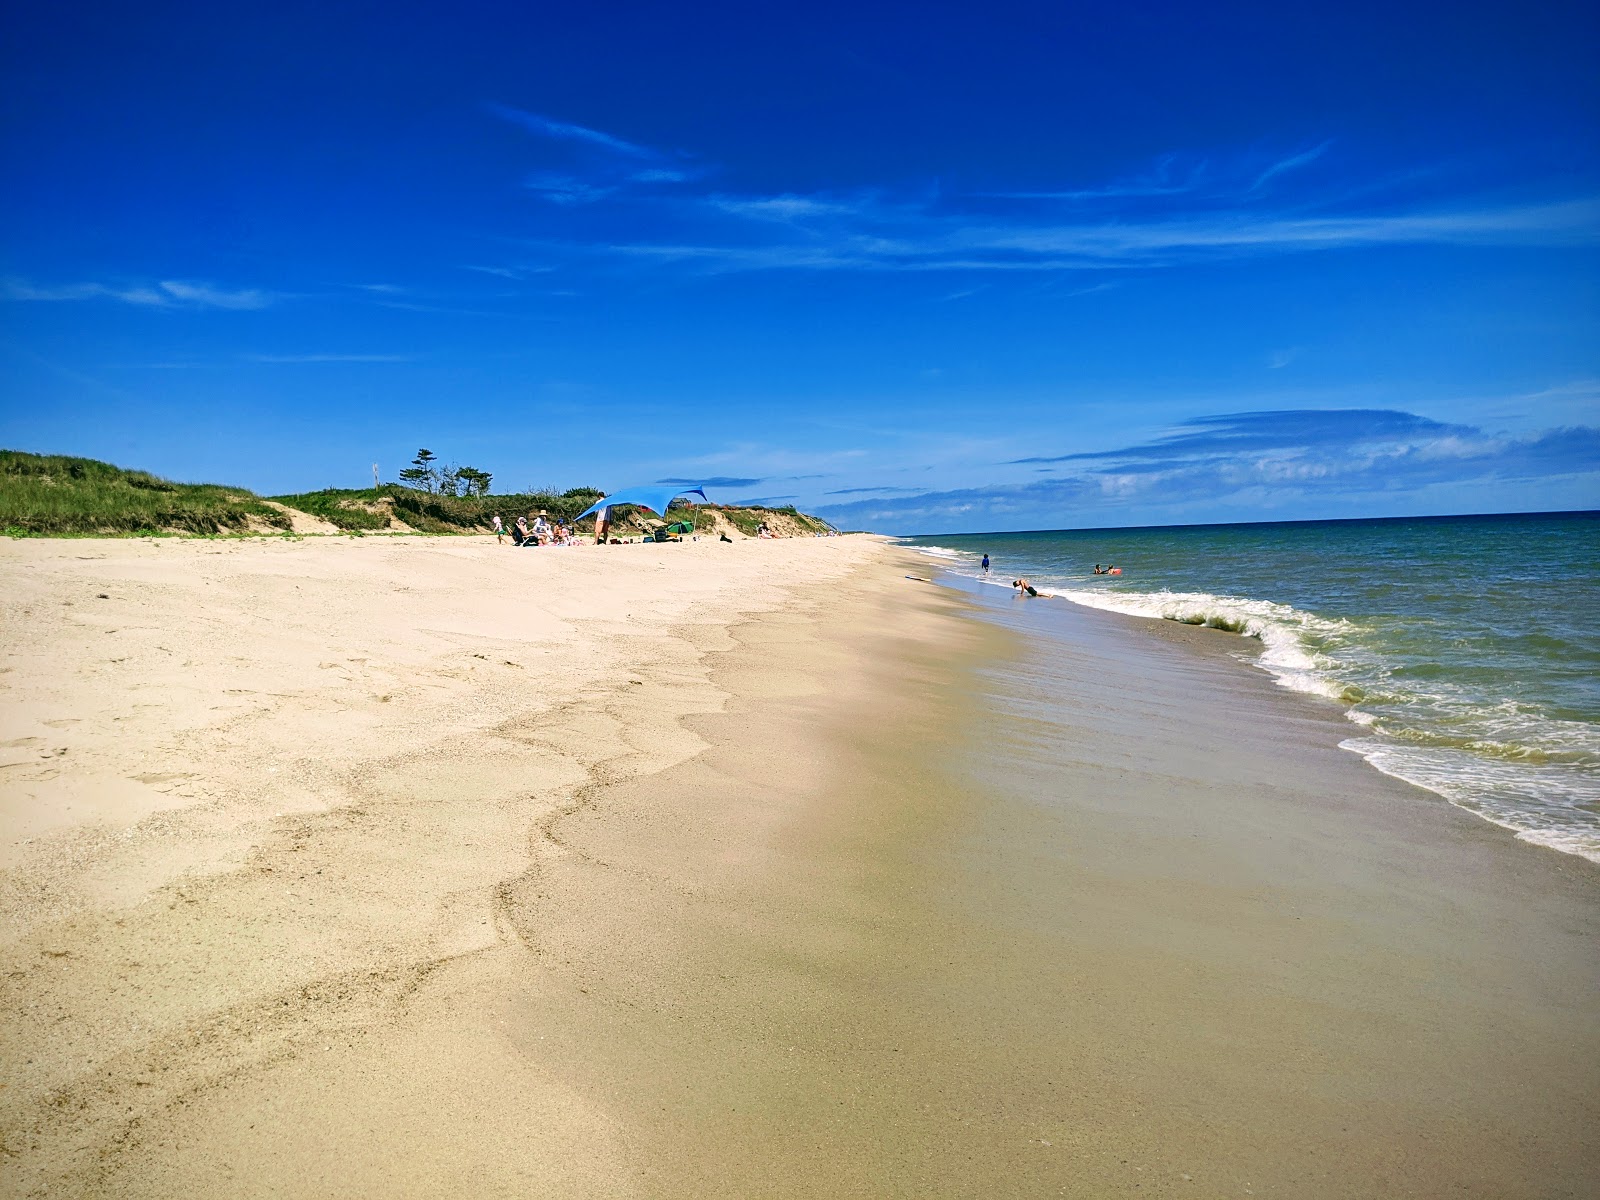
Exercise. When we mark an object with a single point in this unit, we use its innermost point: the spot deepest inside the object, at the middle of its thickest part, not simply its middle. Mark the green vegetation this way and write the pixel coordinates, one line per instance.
(747, 520)
(421, 473)
(434, 512)
(352, 511)
(54, 494)
(42, 495)
(424, 475)
(437, 513)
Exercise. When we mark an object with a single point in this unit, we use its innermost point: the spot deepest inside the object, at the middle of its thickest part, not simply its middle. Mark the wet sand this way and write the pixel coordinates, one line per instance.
(855, 892)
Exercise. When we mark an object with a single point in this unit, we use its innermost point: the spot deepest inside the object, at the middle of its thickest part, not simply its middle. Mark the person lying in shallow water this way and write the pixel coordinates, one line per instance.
(1022, 585)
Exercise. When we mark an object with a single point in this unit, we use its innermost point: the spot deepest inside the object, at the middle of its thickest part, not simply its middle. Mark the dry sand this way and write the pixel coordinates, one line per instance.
(256, 793)
(423, 867)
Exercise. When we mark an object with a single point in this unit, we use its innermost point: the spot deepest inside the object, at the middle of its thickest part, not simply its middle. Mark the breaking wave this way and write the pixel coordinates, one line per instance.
(1423, 718)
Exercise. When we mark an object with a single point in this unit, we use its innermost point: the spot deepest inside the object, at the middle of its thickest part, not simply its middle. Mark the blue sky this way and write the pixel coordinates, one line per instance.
(920, 268)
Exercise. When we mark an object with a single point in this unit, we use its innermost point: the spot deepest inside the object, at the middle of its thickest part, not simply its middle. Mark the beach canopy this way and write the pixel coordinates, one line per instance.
(655, 497)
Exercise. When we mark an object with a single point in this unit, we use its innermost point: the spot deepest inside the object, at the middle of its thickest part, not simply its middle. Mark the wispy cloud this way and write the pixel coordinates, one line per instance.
(501, 272)
(568, 189)
(789, 207)
(454, 310)
(663, 175)
(295, 359)
(1292, 163)
(1568, 223)
(261, 359)
(21, 289)
(1184, 208)
(1232, 433)
(172, 365)
(763, 500)
(168, 293)
(203, 295)
(1212, 177)
(1170, 175)
(728, 481)
(592, 165)
(566, 131)
(917, 237)
(862, 491)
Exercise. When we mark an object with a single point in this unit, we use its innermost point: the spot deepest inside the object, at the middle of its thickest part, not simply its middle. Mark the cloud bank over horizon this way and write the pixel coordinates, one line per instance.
(1354, 461)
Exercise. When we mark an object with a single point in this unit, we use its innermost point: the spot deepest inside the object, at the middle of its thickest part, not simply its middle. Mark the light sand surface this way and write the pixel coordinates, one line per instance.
(255, 792)
(853, 892)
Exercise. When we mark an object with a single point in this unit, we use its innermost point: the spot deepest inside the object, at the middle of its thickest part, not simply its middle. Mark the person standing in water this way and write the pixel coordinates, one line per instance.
(985, 564)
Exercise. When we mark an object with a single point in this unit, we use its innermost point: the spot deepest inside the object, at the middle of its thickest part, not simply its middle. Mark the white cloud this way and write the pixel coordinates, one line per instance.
(1291, 163)
(168, 293)
(548, 127)
(204, 295)
(328, 358)
(823, 234)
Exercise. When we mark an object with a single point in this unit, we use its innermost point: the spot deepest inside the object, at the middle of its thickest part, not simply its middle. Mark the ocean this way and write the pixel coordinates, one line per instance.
(1464, 650)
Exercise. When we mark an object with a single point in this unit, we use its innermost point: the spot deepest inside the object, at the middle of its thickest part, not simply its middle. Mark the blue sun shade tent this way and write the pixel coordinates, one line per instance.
(655, 499)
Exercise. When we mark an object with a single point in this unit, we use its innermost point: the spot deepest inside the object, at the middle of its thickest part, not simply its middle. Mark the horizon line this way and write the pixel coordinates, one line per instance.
(1543, 512)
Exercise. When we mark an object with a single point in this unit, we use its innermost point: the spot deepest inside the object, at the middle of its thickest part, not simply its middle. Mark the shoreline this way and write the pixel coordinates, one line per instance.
(1206, 641)
(857, 888)
(1473, 690)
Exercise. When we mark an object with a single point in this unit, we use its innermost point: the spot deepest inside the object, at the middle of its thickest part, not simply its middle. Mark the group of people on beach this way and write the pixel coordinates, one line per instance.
(1024, 588)
(539, 531)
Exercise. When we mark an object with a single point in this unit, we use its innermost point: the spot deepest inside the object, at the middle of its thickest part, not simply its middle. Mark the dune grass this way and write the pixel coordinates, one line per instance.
(748, 519)
(352, 511)
(53, 494)
(58, 496)
(369, 508)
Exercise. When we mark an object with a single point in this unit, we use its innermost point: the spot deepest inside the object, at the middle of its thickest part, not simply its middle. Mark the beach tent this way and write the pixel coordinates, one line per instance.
(655, 497)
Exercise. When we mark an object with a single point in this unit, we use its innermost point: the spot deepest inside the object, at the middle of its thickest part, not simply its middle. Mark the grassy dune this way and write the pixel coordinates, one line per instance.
(54, 495)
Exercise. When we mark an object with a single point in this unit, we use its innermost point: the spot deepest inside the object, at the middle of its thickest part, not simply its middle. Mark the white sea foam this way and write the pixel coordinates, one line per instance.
(1555, 808)
(1280, 628)
(1556, 811)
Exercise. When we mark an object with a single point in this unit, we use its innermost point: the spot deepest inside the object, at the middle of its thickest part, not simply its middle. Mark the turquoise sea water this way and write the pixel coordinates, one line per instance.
(1465, 649)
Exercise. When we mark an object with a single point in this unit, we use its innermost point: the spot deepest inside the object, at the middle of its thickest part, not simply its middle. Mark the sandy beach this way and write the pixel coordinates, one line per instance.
(424, 866)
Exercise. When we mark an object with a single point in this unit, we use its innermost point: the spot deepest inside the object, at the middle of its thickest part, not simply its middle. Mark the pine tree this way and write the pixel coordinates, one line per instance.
(473, 481)
(420, 474)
